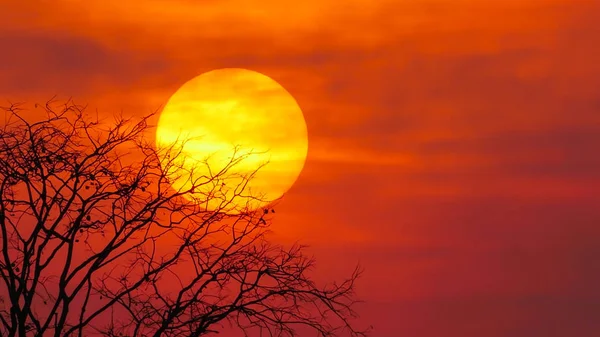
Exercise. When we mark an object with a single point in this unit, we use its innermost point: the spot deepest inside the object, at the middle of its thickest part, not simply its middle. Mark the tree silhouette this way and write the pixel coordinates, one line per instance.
(94, 241)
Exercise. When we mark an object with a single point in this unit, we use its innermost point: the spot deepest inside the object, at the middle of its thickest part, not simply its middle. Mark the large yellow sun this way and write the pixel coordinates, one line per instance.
(232, 114)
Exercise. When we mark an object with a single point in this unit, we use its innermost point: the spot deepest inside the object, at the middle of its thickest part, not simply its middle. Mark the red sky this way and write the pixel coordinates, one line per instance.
(453, 144)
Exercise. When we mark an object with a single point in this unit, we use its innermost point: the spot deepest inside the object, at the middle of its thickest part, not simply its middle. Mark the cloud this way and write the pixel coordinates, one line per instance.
(552, 316)
(55, 64)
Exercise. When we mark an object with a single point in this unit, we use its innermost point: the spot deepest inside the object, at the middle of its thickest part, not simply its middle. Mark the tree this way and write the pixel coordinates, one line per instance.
(94, 241)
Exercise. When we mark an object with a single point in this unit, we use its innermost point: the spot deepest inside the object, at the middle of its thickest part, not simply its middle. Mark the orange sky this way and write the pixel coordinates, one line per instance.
(453, 144)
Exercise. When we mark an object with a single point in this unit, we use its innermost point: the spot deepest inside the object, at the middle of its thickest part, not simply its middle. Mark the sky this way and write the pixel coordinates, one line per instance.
(452, 144)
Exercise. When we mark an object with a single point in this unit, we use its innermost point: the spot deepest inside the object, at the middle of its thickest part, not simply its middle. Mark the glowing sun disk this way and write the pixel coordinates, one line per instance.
(226, 109)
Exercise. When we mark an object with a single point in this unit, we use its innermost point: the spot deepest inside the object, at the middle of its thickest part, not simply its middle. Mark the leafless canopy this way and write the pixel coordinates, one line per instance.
(94, 241)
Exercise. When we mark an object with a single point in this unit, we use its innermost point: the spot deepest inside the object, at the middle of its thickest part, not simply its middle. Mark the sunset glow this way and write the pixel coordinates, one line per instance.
(453, 143)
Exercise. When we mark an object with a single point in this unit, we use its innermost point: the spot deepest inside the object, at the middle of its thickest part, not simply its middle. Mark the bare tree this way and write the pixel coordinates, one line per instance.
(94, 241)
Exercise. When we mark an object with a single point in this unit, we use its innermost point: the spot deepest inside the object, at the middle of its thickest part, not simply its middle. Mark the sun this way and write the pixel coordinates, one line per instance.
(237, 115)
